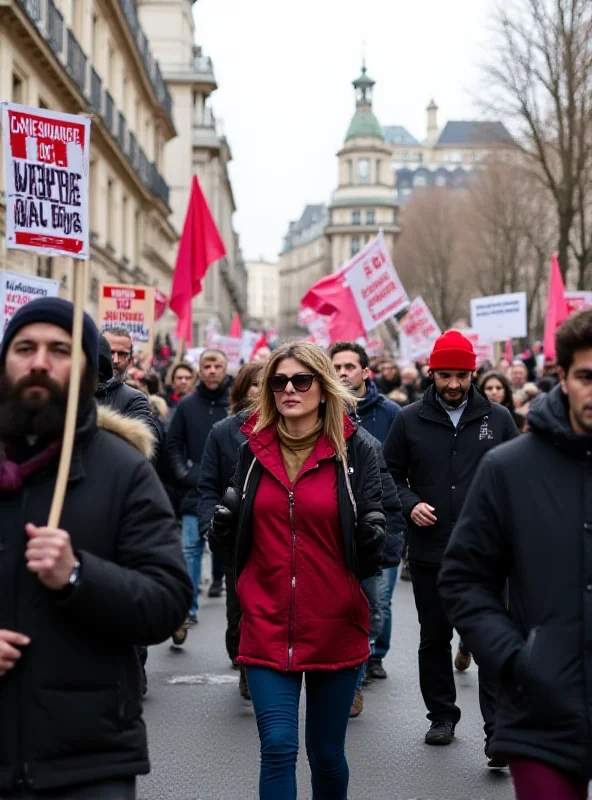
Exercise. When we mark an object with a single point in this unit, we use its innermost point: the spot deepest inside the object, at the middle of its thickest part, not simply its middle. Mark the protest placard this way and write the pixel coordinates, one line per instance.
(418, 330)
(46, 164)
(17, 290)
(484, 348)
(374, 284)
(578, 301)
(130, 308)
(318, 326)
(499, 317)
(232, 346)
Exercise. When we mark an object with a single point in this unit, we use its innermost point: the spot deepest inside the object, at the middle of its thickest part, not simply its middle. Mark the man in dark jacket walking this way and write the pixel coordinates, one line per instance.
(376, 414)
(528, 519)
(433, 451)
(193, 421)
(75, 601)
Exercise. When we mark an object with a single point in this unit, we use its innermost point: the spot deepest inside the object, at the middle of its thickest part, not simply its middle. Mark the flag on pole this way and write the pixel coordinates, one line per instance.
(260, 345)
(236, 330)
(331, 297)
(509, 351)
(200, 245)
(556, 308)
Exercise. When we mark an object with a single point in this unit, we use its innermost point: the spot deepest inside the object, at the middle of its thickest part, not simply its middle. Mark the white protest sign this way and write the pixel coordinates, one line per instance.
(249, 340)
(500, 317)
(232, 347)
(46, 164)
(375, 285)
(484, 348)
(578, 301)
(318, 326)
(17, 290)
(419, 330)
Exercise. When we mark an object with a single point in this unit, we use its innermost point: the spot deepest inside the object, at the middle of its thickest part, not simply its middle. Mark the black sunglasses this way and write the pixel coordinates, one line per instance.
(302, 382)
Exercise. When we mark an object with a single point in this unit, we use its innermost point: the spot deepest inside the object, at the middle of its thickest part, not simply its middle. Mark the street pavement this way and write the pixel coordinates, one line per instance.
(203, 736)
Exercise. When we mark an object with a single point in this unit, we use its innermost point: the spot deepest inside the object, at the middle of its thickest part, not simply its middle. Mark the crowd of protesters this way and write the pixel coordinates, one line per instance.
(311, 475)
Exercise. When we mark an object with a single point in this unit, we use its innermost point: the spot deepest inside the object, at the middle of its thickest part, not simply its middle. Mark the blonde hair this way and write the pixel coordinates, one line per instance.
(337, 398)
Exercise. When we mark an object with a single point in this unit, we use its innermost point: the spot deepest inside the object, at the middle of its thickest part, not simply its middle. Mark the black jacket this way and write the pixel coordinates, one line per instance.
(71, 709)
(432, 462)
(194, 418)
(363, 528)
(131, 403)
(218, 465)
(528, 518)
(376, 412)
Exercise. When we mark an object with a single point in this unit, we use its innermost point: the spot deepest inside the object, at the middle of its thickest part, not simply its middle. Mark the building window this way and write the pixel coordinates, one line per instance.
(364, 170)
(110, 212)
(350, 171)
(457, 157)
(420, 157)
(370, 217)
(18, 89)
(124, 250)
(354, 245)
(419, 180)
(441, 180)
(378, 170)
(406, 156)
(356, 217)
(95, 42)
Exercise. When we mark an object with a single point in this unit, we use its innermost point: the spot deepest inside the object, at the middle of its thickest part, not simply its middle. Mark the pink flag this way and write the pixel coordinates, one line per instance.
(199, 247)
(236, 330)
(509, 351)
(556, 308)
(332, 297)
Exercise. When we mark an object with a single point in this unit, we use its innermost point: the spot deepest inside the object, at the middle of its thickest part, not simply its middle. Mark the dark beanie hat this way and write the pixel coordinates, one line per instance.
(105, 360)
(55, 311)
(452, 350)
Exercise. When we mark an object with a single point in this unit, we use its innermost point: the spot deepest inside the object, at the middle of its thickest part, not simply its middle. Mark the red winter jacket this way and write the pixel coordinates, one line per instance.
(302, 608)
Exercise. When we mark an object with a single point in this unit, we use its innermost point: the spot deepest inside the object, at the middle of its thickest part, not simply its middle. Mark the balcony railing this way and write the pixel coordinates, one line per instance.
(55, 29)
(121, 131)
(133, 150)
(150, 65)
(96, 91)
(76, 64)
(33, 9)
(109, 109)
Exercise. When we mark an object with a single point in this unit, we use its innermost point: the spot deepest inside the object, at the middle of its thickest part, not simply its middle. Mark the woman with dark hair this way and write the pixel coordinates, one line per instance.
(302, 524)
(217, 468)
(497, 389)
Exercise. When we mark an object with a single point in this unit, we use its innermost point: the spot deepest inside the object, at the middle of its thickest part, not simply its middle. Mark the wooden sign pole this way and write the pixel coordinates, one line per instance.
(59, 494)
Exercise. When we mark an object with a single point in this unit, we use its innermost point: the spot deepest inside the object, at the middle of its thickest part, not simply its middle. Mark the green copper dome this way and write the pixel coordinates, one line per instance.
(364, 123)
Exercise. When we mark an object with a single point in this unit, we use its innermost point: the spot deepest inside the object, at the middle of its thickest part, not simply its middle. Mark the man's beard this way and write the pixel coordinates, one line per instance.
(454, 402)
(40, 416)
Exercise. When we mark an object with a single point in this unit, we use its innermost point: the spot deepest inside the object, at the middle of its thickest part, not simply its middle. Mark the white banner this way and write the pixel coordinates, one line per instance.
(318, 326)
(17, 290)
(418, 331)
(484, 348)
(249, 340)
(232, 347)
(375, 285)
(578, 301)
(46, 164)
(500, 317)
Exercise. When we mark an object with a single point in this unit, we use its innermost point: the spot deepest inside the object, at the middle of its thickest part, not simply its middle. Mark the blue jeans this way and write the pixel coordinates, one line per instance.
(388, 579)
(371, 588)
(193, 548)
(329, 695)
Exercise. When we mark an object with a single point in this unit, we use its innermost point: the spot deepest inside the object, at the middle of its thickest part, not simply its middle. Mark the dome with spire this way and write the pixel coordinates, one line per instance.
(364, 122)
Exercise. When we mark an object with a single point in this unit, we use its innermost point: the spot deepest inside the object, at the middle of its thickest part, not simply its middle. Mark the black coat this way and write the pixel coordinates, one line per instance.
(433, 462)
(528, 518)
(218, 465)
(376, 412)
(131, 403)
(71, 709)
(194, 418)
(363, 528)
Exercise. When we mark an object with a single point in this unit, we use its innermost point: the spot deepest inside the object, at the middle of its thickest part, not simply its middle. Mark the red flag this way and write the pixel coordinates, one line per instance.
(236, 330)
(556, 308)
(199, 247)
(160, 304)
(260, 344)
(332, 297)
(509, 352)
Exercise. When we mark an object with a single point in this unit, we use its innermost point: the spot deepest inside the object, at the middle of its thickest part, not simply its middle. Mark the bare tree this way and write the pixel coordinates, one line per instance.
(541, 77)
(429, 253)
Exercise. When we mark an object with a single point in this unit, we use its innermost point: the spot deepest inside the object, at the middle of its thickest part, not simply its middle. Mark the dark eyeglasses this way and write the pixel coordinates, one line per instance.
(302, 382)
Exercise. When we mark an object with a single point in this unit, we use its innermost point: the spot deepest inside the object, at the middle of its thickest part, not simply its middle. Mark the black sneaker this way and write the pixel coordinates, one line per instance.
(440, 733)
(215, 589)
(495, 761)
(376, 670)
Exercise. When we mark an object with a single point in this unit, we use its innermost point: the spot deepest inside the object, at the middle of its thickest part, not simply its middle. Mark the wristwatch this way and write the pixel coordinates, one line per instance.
(75, 574)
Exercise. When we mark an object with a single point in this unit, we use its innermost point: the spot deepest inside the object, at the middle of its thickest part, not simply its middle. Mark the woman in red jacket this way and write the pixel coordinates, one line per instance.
(302, 524)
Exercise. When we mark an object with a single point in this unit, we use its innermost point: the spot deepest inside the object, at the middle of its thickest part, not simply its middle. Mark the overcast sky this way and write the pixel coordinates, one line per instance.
(284, 70)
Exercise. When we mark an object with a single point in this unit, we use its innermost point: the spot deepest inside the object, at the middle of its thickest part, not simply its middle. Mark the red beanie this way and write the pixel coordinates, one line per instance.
(452, 350)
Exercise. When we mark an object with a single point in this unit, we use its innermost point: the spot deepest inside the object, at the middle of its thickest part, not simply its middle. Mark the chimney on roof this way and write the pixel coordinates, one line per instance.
(432, 110)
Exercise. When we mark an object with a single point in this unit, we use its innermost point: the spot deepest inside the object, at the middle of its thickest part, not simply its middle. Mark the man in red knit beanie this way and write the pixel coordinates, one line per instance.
(432, 451)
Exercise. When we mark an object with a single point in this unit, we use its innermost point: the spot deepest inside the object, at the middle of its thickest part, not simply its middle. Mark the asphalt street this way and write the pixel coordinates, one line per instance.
(204, 743)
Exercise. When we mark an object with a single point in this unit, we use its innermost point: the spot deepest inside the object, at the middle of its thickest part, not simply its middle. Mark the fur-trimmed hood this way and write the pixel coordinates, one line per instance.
(134, 431)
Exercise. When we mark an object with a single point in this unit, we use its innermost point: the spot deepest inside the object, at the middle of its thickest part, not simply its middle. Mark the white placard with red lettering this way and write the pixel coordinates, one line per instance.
(578, 301)
(419, 330)
(232, 347)
(484, 348)
(318, 326)
(46, 164)
(375, 285)
(17, 290)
